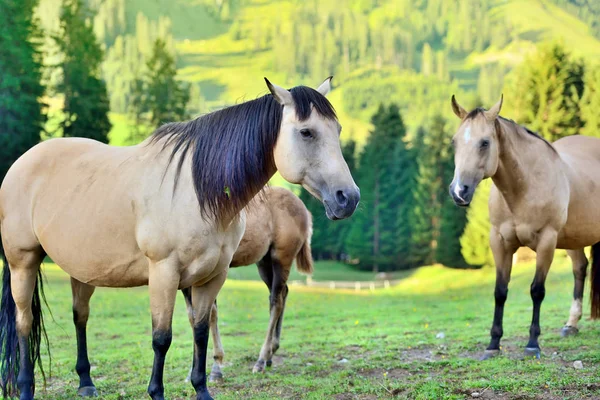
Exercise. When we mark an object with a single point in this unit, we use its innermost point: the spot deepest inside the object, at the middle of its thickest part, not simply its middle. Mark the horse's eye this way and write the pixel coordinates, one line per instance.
(484, 144)
(306, 133)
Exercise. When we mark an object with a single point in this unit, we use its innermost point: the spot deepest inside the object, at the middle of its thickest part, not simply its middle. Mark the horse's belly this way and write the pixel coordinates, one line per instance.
(101, 266)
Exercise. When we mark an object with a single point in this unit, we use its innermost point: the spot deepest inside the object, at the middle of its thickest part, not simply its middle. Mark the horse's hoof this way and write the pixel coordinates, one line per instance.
(269, 363)
(532, 352)
(489, 354)
(87, 391)
(204, 395)
(215, 377)
(259, 367)
(568, 331)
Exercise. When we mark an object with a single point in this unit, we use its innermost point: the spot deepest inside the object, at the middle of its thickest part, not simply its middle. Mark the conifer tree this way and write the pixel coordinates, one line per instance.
(21, 109)
(545, 91)
(86, 103)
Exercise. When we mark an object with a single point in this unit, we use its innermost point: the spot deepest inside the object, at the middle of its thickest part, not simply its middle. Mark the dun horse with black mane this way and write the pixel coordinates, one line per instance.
(544, 196)
(166, 213)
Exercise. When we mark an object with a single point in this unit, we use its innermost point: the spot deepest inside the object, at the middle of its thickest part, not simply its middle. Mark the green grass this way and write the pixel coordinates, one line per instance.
(388, 338)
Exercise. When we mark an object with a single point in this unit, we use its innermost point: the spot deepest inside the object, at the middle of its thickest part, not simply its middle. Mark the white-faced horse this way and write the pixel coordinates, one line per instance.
(166, 213)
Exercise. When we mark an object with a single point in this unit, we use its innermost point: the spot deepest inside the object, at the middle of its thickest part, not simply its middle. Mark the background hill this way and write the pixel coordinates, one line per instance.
(412, 52)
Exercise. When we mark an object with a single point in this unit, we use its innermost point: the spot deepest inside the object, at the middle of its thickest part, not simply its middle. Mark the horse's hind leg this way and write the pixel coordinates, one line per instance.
(82, 293)
(24, 268)
(580, 263)
(271, 267)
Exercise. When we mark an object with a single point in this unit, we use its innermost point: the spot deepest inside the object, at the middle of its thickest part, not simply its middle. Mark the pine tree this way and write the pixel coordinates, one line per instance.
(21, 116)
(372, 237)
(86, 103)
(590, 103)
(432, 224)
(545, 93)
(166, 97)
(427, 60)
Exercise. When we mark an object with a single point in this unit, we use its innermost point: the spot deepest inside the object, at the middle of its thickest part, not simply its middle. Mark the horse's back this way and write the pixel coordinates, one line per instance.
(578, 146)
(581, 155)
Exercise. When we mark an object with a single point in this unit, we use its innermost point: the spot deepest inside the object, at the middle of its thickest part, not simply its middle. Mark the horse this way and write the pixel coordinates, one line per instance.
(278, 230)
(167, 213)
(542, 197)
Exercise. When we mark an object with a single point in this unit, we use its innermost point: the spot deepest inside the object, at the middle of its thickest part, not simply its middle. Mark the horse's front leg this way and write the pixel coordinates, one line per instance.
(163, 284)
(503, 253)
(82, 293)
(580, 263)
(544, 255)
(203, 299)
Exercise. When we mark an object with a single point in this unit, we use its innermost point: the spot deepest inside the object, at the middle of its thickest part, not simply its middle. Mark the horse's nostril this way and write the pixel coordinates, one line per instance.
(341, 198)
(465, 188)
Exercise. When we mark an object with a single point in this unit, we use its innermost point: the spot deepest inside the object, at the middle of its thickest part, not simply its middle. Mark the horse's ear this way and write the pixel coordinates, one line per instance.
(493, 112)
(458, 110)
(283, 96)
(325, 87)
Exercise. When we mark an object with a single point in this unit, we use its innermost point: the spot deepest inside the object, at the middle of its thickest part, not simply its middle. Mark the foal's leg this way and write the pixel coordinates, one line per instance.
(279, 275)
(503, 253)
(81, 310)
(544, 256)
(218, 354)
(163, 283)
(23, 279)
(203, 299)
(580, 263)
(277, 338)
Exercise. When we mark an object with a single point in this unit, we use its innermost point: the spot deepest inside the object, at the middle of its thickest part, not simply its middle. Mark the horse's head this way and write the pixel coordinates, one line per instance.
(308, 152)
(476, 150)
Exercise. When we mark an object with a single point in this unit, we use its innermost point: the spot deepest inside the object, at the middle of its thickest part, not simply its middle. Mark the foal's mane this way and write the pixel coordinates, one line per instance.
(480, 111)
(232, 148)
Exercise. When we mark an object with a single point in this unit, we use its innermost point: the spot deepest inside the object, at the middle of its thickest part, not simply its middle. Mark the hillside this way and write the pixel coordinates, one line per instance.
(415, 53)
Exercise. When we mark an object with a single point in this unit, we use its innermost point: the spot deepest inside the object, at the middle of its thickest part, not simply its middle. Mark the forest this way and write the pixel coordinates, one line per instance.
(114, 70)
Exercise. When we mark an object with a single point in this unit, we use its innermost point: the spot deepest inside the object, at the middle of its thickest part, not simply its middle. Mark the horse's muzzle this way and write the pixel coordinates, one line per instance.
(341, 203)
(462, 195)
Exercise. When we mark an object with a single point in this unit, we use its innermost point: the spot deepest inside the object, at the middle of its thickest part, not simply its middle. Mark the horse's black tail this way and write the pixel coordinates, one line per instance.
(9, 348)
(595, 282)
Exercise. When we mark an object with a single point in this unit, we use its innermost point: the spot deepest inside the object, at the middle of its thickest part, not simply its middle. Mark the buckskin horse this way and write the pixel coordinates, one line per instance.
(167, 213)
(544, 196)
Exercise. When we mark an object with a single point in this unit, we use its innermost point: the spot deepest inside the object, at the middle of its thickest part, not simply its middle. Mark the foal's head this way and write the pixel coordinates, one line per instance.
(308, 152)
(476, 150)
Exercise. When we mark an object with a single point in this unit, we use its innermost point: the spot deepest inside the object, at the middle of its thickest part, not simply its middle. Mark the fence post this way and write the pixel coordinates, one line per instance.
(357, 286)
(386, 284)
(332, 285)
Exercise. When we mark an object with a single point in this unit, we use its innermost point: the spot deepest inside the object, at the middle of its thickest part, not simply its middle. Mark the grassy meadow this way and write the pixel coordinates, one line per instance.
(342, 344)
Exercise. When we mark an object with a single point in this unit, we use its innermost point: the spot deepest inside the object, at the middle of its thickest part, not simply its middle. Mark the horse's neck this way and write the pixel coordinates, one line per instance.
(524, 162)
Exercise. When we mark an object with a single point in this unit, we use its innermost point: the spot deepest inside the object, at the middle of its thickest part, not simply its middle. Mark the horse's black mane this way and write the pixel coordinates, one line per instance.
(480, 110)
(232, 148)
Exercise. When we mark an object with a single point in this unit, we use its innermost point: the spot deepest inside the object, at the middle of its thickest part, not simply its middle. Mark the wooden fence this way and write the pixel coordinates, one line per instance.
(356, 285)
